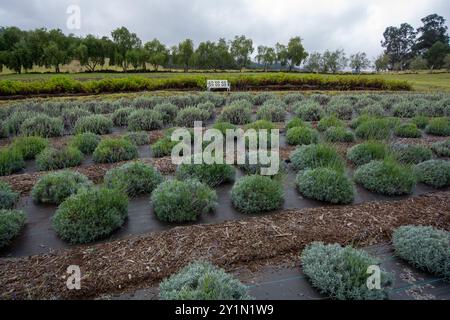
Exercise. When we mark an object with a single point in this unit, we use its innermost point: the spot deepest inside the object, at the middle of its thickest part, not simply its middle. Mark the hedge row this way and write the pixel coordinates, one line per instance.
(61, 84)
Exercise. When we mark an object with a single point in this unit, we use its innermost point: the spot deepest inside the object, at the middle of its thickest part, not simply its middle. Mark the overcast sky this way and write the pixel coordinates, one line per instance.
(353, 25)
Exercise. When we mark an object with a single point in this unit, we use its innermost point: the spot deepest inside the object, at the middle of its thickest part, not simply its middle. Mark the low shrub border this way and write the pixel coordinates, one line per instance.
(11, 223)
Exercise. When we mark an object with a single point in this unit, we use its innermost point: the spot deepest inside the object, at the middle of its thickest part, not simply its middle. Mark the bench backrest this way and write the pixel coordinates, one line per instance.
(217, 84)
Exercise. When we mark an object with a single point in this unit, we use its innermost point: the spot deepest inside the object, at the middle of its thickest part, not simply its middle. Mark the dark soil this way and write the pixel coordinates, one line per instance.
(139, 262)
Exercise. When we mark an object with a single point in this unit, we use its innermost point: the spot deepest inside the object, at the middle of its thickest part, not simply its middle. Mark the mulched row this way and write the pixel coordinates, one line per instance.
(142, 261)
(23, 183)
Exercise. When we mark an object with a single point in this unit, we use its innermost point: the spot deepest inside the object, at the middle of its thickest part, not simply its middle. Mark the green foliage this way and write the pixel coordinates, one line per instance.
(120, 116)
(29, 147)
(257, 164)
(338, 134)
(328, 122)
(85, 142)
(367, 152)
(115, 150)
(223, 127)
(327, 185)
(295, 122)
(11, 161)
(420, 121)
(42, 126)
(163, 147)
(238, 113)
(133, 178)
(386, 177)
(292, 98)
(435, 173)
(182, 201)
(408, 130)
(14, 122)
(261, 98)
(308, 110)
(8, 197)
(257, 194)
(139, 138)
(56, 187)
(316, 156)
(211, 174)
(301, 136)
(411, 154)
(188, 116)
(90, 215)
(438, 127)
(374, 129)
(341, 273)
(208, 107)
(70, 116)
(54, 159)
(169, 112)
(145, 120)
(97, 124)
(202, 281)
(441, 148)
(424, 247)
(405, 109)
(271, 112)
(11, 222)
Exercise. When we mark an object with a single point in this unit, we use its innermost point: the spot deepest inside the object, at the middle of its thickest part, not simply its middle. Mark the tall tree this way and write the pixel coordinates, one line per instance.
(398, 44)
(382, 62)
(314, 62)
(124, 41)
(334, 61)
(359, 62)
(295, 52)
(59, 49)
(282, 54)
(266, 56)
(185, 53)
(91, 52)
(436, 54)
(433, 30)
(241, 48)
(158, 54)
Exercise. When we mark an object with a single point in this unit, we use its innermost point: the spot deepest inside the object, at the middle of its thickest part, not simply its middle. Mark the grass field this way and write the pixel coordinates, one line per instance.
(420, 81)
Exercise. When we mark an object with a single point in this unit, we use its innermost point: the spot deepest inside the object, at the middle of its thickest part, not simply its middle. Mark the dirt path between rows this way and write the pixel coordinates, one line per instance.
(140, 262)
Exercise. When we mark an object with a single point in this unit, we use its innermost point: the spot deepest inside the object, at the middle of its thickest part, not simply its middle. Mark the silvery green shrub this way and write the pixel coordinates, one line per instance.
(202, 281)
(292, 98)
(386, 177)
(30, 146)
(133, 178)
(238, 113)
(315, 156)
(296, 122)
(328, 122)
(211, 174)
(8, 197)
(325, 184)
(271, 112)
(42, 126)
(139, 138)
(424, 247)
(169, 112)
(441, 148)
(90, 215)
(435, 173)
(53, 159)
(71, 116)
(420, 121)
(188, 116)
(85, 142)
(261, 98)
(142, 103)
(207, 106)
(438, 127)
(257, 194)
(217, 99)
(182, 201)
(338, 134)
(120, 116)
(308, 110)
(145, 120)
(408, 130)
(56, 187)
(367, 152)
(97, 124)
(322, 99)
(341, 272)
(114, 150)
(374, 129)
(411, 154)
(302, 136)
(181, 101)
(11, 161)
(163, 147)
(342, 109)
(239, 96)
(15, 120)
(11, 223)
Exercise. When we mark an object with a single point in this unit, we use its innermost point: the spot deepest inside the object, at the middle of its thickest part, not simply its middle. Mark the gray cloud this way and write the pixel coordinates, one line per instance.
(323, 24)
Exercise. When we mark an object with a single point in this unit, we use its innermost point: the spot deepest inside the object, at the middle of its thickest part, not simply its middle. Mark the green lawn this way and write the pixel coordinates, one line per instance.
(420, 81)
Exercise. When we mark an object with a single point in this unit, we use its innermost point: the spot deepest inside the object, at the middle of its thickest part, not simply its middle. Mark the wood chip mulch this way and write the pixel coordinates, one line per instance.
(142, 261)
(23, 183)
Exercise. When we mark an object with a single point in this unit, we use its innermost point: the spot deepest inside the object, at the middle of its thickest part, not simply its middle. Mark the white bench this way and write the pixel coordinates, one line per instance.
(218, 84)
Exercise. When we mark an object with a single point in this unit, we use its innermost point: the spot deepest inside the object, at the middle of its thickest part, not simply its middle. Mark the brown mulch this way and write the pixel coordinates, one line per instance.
(142, 261)
(23, 183)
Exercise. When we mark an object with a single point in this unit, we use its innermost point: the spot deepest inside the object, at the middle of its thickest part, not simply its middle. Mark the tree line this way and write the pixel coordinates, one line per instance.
(426, 47)
(404, 47)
